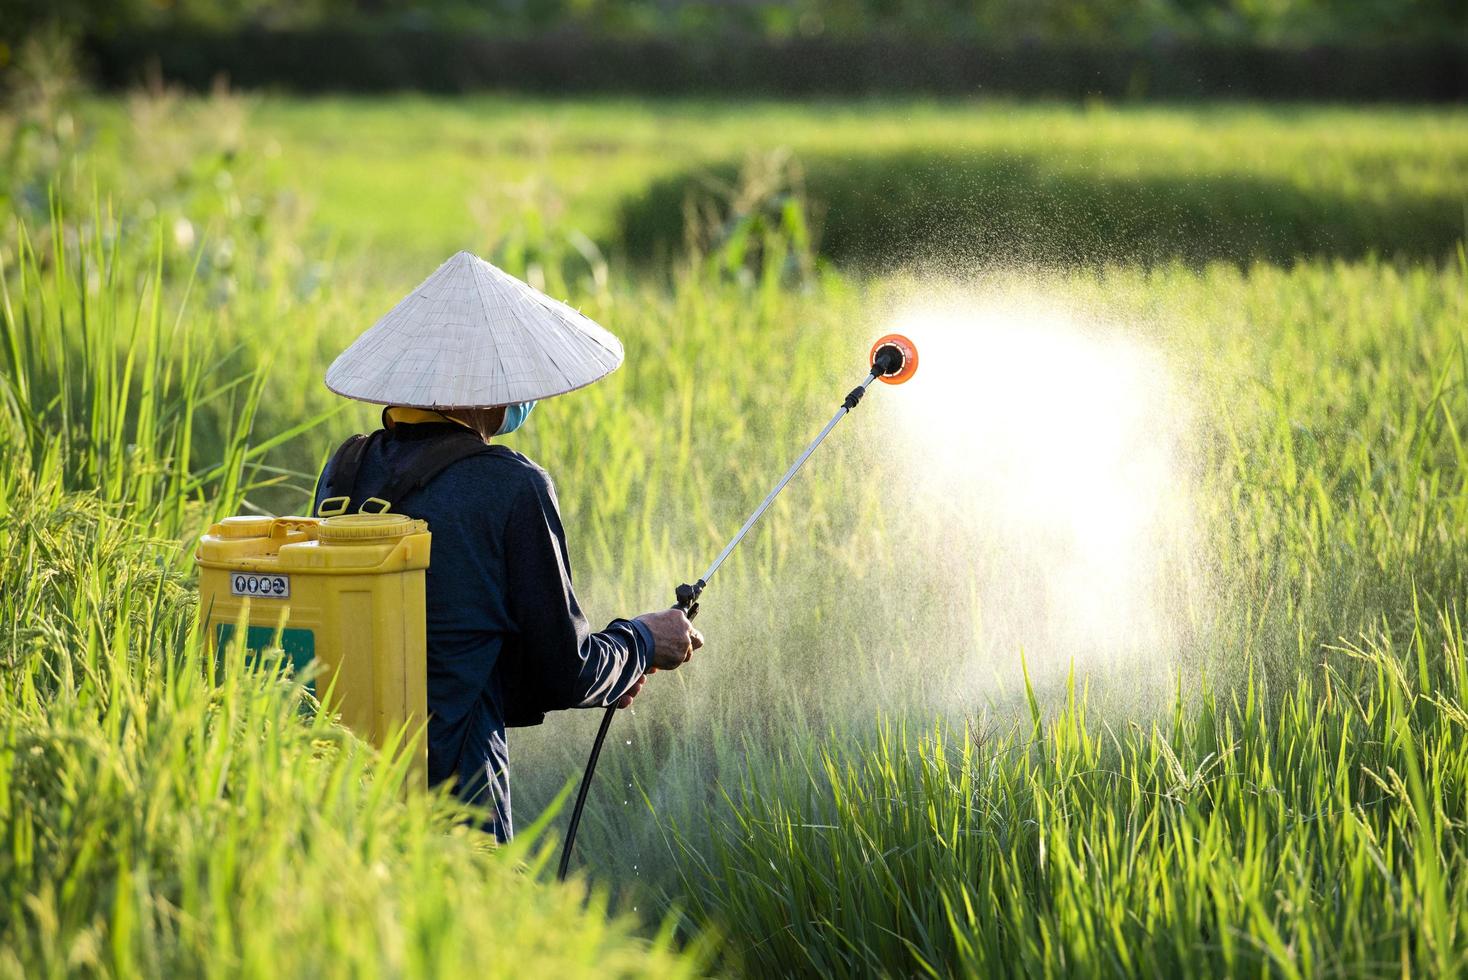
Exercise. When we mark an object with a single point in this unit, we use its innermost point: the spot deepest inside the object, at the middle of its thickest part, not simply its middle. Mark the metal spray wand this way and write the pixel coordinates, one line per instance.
(893, 360)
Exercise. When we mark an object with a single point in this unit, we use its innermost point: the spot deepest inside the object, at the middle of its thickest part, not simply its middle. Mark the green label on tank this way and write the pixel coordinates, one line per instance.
(299, 645)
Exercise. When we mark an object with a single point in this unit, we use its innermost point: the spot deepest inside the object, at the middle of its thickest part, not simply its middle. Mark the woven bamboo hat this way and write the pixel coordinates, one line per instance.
(474, 336)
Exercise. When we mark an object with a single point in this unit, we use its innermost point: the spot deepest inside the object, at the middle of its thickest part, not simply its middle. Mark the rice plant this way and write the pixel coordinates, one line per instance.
(890, 759)
(172, 813)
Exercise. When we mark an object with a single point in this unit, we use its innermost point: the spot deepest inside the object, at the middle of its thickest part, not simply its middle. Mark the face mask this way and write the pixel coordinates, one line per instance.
(515, 416)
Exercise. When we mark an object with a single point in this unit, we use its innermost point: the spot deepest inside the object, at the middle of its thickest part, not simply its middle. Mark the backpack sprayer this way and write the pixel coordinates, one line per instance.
(894, 360)
(345, 592)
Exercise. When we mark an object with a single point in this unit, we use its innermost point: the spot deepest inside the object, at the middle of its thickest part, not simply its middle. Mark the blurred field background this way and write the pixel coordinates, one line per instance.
(1131, 644)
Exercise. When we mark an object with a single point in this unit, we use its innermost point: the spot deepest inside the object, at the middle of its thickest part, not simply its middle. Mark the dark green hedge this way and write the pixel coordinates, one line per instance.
(901, 209)
(437, 61)
(1290, 22)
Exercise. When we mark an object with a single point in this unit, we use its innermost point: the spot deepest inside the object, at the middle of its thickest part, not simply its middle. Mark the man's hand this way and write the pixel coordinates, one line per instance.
(673, 641)
(673, 638)
(673, 644)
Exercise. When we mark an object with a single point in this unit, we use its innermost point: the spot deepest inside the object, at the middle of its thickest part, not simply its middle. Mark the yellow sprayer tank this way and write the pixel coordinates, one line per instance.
(346, 591)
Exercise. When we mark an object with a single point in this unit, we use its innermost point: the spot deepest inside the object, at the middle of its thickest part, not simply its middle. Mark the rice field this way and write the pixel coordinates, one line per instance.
(1126, 639)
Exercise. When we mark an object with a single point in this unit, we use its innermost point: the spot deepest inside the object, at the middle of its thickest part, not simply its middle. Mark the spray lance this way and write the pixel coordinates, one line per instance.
(894, 360)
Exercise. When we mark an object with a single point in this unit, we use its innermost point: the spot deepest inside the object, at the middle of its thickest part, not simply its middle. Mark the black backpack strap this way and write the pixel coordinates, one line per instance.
(435, 456)
(336, 497)
(428, 461)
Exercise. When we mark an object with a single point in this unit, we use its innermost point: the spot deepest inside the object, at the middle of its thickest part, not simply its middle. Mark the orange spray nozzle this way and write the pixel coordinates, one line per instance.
(894, 359)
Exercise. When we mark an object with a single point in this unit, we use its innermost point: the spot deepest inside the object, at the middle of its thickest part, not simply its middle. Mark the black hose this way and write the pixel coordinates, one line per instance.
(601, 736)
(688, 602)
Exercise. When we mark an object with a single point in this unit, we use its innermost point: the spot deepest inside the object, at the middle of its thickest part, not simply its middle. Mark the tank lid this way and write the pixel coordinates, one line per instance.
(362, 528)
(243, 527)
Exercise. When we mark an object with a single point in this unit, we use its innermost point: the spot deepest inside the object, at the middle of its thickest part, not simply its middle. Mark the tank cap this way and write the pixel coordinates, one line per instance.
(361, 528)
(243, 527)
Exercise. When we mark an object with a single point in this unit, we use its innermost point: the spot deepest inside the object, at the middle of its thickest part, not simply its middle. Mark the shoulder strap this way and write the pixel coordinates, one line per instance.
(415, 473)
(435, 456)
(342, 475)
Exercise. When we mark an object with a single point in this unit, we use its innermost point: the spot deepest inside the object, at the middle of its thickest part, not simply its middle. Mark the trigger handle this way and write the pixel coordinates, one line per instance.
(688, 598)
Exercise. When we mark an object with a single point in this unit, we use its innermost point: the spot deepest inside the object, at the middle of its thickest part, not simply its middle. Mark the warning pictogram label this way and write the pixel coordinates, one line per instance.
(260, 586)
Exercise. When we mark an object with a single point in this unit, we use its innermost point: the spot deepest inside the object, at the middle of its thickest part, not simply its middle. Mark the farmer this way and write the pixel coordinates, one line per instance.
(461, 360)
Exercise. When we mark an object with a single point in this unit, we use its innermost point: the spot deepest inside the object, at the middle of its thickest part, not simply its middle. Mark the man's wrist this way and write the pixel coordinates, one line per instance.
(645, 640)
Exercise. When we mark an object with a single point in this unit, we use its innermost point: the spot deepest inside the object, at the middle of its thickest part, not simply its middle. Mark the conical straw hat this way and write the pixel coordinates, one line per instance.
(473, 336)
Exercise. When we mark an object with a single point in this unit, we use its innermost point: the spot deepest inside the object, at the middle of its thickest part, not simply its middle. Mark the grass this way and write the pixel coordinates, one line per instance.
(164, 820)
(959, 208)
(857, 776)
(1238, 837)
(505, 168)
(167, 814)
(1333, 513)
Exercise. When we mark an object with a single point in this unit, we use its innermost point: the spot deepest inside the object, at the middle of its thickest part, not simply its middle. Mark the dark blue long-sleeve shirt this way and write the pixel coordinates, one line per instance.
(507, 640)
